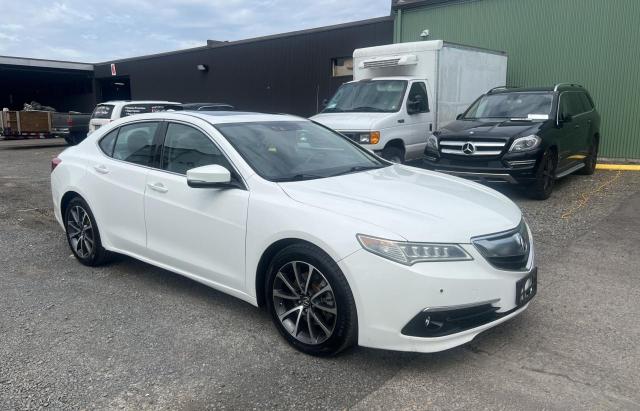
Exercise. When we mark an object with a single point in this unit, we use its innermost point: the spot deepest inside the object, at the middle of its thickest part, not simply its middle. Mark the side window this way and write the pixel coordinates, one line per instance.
(108, 142)
(571, 104)
(586, 102)
(135, 143)
(418, 102)
(186, 148)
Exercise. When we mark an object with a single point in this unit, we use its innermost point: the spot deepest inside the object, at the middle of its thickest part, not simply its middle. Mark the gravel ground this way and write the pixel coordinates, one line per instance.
(133, 336)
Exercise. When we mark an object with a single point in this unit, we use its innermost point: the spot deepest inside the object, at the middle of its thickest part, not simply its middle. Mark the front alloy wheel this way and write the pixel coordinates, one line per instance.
(304, 302)
(310, 300)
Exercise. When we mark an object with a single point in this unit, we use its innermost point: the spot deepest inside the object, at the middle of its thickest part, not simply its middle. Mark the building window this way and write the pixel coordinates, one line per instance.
(342, 66)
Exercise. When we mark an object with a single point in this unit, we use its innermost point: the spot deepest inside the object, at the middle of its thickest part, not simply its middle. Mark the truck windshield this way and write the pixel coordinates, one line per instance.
(367, 96)
(297, 150)
(520, 106)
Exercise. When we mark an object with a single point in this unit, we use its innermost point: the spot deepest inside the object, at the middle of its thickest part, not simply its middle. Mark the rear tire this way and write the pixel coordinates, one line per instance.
(83, 235)
(393, 154)
(310, 301)
(542, 188)
(591, 160)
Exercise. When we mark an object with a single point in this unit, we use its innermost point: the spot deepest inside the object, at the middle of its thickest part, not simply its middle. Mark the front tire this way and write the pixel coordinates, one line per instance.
(83, 235)
(542, 188)
(393, 154)
(310, 301)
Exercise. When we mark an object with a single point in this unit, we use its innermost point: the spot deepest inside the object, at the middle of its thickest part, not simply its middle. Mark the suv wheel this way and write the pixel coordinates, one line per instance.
(591, 160)
(542, 188)
(393, 154)
(310, 301)
(83, 235)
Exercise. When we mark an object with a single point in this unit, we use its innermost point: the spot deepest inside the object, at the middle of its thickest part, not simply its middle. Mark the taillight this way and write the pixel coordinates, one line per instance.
(54, 163)
(69, 121)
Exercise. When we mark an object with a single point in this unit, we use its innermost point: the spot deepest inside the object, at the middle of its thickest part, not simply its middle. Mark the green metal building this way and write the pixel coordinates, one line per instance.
(595, 43)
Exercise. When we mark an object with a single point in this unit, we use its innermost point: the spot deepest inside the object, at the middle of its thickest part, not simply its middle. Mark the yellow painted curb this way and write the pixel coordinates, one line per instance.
(624, 167)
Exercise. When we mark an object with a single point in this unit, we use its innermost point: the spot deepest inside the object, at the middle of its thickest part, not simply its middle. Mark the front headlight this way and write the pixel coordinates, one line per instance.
(432, 142)
(525, 143)
(369, 138)
(408, 253)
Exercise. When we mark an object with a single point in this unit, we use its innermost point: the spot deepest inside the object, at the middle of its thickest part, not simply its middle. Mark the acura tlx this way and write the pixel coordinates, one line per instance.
(339, 245)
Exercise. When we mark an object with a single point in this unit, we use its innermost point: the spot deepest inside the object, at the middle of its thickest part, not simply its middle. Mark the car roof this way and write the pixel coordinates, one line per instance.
(220, 117)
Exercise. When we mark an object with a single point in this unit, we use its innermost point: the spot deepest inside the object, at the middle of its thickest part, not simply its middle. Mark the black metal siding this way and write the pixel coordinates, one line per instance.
(288, 73)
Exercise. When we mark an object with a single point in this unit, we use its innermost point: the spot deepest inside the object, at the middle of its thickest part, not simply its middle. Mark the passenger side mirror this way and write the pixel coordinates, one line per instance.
(211, 176)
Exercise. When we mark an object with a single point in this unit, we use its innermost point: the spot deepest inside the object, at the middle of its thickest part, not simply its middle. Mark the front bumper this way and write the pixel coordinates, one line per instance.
(389, 296)
(518, 168)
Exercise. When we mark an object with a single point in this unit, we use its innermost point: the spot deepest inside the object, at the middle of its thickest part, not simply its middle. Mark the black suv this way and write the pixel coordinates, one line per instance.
(530, 136)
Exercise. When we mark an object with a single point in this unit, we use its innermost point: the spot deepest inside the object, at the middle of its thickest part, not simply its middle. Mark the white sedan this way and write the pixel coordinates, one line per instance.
(340, 246)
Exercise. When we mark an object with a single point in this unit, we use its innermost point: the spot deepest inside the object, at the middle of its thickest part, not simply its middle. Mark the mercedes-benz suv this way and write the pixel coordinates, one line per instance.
(531, 136)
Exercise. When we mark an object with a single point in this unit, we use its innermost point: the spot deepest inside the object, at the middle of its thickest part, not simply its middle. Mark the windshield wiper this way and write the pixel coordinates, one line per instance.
(297, 177)
(367, 108)
(356, 169)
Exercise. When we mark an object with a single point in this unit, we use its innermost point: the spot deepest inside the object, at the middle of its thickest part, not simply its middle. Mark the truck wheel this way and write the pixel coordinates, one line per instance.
(393, 154)
(591, 160)
(69, 140)
(77, 138)
(545, 177)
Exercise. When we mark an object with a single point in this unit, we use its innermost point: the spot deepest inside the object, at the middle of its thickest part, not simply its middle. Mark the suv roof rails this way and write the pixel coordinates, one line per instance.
(497, 88)
(557, 86)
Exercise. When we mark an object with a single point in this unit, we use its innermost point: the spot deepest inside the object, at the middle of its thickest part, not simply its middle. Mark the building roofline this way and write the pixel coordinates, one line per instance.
(409, 4)
(255, 39)
(42, 63)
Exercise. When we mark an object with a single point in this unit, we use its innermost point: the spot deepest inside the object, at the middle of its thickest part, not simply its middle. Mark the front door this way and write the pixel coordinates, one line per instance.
(198, 231)
(573, 130)
(418, 120)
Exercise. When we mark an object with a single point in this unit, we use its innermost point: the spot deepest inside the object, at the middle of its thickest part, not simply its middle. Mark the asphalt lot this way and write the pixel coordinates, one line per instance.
(133, 336)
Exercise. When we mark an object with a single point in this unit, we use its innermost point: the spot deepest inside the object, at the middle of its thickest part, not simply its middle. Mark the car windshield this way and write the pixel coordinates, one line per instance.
(378, 96)
(102, 111)
(297, 150)
(521, 106)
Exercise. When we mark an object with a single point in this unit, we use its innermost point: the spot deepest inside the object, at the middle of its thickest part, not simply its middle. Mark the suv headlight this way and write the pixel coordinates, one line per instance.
(432, 142)
(408, 253)
(525, 143)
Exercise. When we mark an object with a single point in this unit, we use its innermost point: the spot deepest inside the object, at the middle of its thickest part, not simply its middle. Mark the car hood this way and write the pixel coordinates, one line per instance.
(350, 121)
(416, 204)
(489, 129)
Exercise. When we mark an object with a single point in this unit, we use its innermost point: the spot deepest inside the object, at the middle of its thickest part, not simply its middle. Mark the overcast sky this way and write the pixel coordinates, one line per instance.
(95, 31)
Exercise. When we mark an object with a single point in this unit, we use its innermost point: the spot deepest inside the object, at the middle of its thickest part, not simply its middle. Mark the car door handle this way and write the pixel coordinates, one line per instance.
(159, 187)
(101, 168)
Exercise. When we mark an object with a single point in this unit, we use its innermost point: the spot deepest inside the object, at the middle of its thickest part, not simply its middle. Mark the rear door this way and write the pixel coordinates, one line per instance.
(574, 128)
(117, 181)
(418, 119)
(198, 231)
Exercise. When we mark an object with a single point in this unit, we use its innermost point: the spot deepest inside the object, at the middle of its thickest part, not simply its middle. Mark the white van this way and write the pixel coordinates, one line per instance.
(403, 92)
(104, 113)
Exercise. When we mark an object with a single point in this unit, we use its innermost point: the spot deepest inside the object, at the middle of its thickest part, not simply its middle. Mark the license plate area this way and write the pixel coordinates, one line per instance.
(526, 288)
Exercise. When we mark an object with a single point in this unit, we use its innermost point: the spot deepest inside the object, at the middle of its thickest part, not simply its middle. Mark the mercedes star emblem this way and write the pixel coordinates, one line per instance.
(468, 149)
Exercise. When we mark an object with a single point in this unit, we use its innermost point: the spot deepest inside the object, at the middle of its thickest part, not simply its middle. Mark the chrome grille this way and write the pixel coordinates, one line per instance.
(472, 147)
(508, 250)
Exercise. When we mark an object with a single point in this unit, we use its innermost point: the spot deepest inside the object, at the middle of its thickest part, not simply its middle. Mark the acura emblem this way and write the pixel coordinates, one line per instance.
(468, 149)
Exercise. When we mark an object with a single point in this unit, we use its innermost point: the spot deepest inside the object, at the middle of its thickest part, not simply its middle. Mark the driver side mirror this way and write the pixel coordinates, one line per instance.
(325, 102)
(565, 118)
(459, 116)
(211, 176)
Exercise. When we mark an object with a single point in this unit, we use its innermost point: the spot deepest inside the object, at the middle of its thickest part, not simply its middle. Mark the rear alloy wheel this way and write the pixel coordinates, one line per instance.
(83, 235)
(542, 188)
(310, 301)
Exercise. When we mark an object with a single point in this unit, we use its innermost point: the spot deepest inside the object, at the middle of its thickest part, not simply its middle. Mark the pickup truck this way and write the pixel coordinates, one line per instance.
(72, 126)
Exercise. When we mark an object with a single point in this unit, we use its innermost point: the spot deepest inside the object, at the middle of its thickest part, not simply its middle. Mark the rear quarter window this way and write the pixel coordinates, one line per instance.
(102, 111)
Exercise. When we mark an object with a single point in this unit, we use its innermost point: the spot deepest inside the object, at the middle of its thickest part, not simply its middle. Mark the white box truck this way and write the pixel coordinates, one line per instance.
(403, 92)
